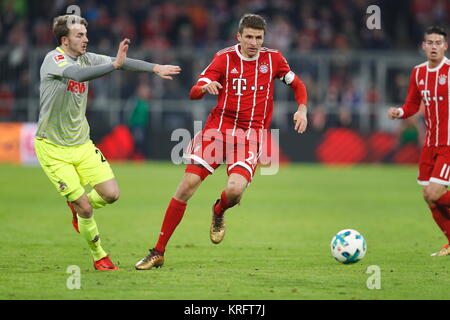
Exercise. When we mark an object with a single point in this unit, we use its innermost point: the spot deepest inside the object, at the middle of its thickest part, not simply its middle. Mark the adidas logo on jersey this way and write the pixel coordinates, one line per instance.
(421, 83)
(234, 71)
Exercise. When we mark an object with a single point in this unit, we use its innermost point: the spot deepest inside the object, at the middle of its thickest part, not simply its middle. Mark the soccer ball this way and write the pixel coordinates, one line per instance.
(348, 246)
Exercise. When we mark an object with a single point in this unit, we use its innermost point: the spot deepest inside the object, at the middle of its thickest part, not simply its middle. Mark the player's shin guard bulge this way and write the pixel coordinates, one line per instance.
(155, 259)
(89, 231)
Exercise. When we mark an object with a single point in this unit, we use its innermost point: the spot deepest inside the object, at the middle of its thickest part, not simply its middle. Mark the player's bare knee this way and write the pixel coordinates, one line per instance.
(111, 197)
(187, 188)
(425, 195)
(431, 195)
(84, 210)
(184, 191)
(234, 192)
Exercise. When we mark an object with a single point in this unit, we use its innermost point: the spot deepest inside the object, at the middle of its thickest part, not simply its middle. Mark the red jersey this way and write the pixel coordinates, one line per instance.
(431, 87)
(246, 100)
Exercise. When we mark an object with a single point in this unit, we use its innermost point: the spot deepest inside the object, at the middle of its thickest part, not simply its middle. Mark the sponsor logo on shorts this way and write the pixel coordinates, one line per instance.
(62, 185)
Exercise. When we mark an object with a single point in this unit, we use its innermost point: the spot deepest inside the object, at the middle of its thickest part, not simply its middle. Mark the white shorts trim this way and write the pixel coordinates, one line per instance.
(242, 164)
(199, 160)
(440, 181)
(423, 183)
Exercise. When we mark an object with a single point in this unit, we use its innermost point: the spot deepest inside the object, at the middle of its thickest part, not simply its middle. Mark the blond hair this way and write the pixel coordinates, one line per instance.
(61, 25)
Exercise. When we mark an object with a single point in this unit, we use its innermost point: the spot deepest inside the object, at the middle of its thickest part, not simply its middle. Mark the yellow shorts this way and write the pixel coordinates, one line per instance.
(71, 168)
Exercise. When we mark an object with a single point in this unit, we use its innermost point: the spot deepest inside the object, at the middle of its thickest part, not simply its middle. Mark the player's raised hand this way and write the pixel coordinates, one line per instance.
(394, 113)
(121, 53)
(166, 71)
(212, 88)
(300, 119)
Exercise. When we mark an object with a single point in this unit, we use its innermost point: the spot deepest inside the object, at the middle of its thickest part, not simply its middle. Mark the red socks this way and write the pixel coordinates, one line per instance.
(174, 214)
(442, 218)
(223, 204)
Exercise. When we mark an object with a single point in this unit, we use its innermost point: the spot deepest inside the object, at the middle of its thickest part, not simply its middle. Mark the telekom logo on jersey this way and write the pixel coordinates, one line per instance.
(76, 87)
(240, 84)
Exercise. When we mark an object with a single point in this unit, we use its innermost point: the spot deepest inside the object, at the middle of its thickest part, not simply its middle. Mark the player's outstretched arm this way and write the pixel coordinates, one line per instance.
(81, 74)
(300, 119)
(122, 62)
(166, 71)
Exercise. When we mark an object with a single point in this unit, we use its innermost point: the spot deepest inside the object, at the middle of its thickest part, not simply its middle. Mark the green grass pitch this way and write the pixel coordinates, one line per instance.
(277, 244)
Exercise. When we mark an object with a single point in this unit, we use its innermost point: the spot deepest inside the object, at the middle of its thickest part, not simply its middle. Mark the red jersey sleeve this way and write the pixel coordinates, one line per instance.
(413, 100)
(284, 73)
(282, 66)
(213, 72)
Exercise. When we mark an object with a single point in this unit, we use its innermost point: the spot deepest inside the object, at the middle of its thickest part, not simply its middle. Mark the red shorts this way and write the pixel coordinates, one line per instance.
(206, 153)
(434, 166)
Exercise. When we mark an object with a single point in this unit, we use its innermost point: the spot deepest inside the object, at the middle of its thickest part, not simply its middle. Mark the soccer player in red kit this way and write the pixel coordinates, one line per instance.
(429, 85)
(242, 77)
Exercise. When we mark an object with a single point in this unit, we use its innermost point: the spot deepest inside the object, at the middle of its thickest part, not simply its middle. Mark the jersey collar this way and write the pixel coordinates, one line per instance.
(242, 57)
(444, 60)
(63, 52)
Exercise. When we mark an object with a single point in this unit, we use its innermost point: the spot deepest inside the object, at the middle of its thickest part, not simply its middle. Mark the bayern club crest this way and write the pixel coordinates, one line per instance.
(264, 68)
(442, 79)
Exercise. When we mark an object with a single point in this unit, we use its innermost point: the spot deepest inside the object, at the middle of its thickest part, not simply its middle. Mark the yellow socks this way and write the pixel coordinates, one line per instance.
(89, 231)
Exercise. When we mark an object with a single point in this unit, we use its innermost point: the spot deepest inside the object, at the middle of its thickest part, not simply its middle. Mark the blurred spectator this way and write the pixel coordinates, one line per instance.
(139, 118)
(318, 118)
(410, 131)
(172, 31)
(320, 24)
(6, 100)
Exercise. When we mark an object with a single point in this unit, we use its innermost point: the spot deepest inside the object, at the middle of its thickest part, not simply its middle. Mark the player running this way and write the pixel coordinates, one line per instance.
(429, 85)
(242, 77)
(62, 143)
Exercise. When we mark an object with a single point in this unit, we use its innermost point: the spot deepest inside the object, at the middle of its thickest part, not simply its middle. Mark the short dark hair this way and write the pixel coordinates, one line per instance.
(61, 25)
(253, 21)
(436, 30)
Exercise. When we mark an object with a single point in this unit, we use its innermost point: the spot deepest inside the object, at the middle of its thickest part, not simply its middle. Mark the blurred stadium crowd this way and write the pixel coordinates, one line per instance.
(176, 31)
(293, 25)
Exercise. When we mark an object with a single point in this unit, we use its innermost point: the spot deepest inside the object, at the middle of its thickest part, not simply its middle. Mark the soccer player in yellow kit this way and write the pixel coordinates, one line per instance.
(62, 143)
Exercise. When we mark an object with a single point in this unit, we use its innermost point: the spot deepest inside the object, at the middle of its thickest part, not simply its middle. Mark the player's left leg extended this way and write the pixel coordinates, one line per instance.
(242, 161)
(94, 169)
(89, 231)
